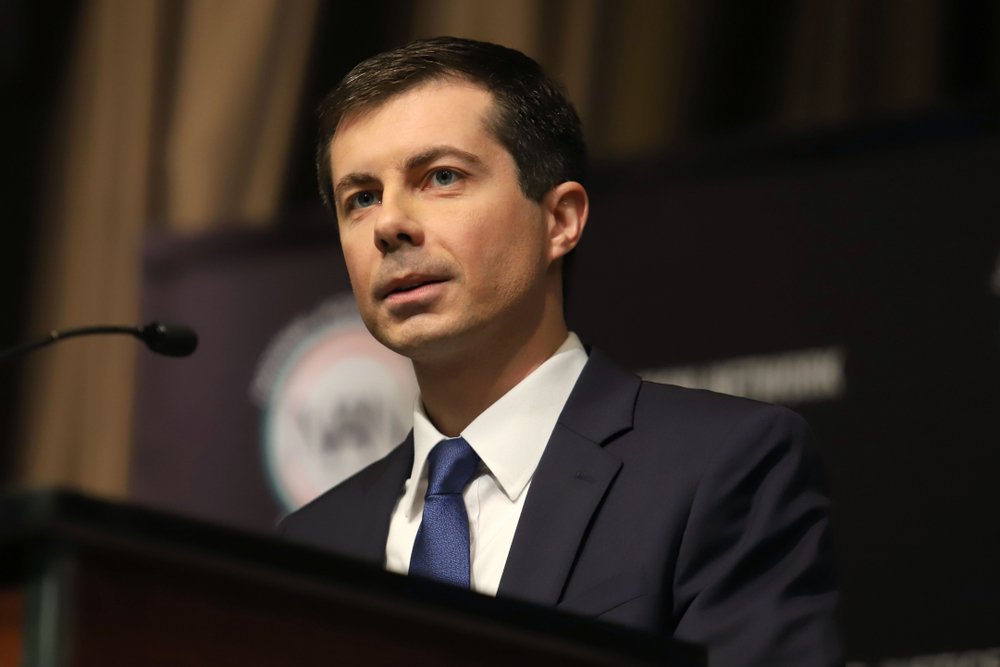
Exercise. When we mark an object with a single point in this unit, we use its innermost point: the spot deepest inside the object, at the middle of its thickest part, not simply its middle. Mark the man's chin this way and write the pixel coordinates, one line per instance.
(424, 344)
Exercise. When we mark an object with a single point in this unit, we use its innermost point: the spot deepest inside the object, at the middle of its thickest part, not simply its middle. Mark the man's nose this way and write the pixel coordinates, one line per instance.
(396, 226)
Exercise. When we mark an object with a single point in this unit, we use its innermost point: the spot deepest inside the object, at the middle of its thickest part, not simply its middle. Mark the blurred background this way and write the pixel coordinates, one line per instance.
(792, 201)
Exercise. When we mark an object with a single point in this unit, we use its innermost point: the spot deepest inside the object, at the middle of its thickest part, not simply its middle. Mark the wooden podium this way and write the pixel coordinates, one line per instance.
(86, 582)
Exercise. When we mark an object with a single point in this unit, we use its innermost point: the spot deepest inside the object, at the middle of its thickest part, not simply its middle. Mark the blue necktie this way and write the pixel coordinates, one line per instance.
(441, 550)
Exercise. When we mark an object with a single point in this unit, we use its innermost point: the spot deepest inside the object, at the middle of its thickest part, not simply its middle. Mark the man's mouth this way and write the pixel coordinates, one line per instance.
(408, 284)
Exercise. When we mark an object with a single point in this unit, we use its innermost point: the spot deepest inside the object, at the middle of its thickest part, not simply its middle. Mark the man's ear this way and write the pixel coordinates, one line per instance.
(567, 207)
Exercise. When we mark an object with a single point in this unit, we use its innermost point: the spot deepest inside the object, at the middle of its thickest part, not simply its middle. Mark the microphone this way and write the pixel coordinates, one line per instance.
(172, 340)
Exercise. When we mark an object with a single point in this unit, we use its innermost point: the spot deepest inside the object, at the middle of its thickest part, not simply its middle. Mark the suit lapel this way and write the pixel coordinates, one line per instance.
(380, 488)
(572, 477)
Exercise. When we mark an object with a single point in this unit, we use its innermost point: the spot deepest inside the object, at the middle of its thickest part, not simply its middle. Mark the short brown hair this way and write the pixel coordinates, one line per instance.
(533, 119)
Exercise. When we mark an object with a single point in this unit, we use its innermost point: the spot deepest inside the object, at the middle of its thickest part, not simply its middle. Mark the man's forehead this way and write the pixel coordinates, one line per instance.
(427, 92)
(452, 107)
(440, 84)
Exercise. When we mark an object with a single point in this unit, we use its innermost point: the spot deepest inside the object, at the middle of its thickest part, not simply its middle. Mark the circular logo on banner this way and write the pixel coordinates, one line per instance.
(333, 398)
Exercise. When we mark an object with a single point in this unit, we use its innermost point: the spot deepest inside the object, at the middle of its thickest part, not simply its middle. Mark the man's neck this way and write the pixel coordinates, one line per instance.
(456, 392)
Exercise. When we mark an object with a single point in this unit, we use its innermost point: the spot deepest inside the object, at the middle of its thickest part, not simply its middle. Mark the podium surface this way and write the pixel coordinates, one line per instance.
(87, 582)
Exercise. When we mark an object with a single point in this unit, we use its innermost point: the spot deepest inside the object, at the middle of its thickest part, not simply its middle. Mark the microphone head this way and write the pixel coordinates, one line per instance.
(173, 340)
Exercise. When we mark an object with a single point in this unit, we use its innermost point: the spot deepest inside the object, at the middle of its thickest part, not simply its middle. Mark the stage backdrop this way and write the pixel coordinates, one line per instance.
(854, 277)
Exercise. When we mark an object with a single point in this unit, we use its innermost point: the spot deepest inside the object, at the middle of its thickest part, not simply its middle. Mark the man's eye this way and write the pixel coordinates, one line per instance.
(444, 177)
(362, 200)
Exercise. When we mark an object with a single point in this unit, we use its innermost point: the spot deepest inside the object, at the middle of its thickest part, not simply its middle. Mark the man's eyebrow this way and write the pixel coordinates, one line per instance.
(437, 152)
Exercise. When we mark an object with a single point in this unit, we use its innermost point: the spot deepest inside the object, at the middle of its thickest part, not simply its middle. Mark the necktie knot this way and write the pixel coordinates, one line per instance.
(451, 466)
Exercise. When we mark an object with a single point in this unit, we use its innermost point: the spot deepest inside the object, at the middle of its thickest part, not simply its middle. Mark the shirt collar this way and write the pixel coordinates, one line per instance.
(510, 435)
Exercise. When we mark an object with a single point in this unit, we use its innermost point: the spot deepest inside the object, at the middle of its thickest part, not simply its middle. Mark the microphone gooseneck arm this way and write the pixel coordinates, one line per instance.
(173, 340)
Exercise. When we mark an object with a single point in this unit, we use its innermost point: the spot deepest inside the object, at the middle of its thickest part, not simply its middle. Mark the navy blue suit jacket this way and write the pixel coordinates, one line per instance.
(671, 510)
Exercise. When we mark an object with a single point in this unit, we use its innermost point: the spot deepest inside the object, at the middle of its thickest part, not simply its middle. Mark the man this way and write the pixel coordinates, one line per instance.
(536, 470)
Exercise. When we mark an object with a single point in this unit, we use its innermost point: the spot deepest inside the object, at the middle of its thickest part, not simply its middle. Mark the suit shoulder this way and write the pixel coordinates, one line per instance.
(339, 498)
(709, 407)
(704, 426)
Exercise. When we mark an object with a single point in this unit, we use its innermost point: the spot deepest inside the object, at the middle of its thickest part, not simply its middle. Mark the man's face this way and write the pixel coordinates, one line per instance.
(444, 251)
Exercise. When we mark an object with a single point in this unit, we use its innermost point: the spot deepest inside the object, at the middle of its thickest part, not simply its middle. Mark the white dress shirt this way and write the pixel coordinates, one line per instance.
(509, 437)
